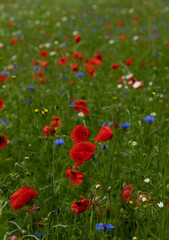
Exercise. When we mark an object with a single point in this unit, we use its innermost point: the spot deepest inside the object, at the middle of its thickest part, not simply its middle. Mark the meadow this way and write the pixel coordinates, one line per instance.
(84, 120)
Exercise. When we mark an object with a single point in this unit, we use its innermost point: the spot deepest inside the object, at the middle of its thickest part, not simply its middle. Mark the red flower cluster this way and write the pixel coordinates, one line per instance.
(21, 197)
(50, 130)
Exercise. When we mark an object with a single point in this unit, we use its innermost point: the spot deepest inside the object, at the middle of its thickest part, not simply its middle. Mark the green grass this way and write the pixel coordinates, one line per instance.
(30, 159)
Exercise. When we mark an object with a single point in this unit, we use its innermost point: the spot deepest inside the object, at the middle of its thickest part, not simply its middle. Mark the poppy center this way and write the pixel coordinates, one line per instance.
(1, 139)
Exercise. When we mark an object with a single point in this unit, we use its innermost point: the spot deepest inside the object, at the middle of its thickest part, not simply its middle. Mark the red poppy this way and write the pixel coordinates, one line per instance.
(48, 131)
(10, 24)
(89, 69)
(115, 66)
(44, 64)
(3, 140)
(34, 63)
(131, 81)
(63, 61)
(82, 152)
(56, 122)
(127, 193)
(77, 38)
(81, 106)
(105, 133)
(80, 134)
(129, 61)
(119, 23)
(74, 67)
(14, 41)
(3, 78)
(76, 177)
(122, 37)
(77, 55)
(21, 197)
(99, 56)
(44, 53)
(81, 206)
(42, 80)
(1, 103)
(94, 61)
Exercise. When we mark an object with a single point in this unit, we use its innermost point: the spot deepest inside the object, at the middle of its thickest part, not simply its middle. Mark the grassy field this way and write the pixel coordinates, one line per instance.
(114, 55)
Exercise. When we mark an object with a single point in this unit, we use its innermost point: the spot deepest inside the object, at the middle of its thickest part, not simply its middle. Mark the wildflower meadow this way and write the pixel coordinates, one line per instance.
(84, 120)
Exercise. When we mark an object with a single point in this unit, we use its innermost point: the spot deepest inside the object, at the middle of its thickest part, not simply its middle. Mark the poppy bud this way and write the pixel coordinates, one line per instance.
(98, 186)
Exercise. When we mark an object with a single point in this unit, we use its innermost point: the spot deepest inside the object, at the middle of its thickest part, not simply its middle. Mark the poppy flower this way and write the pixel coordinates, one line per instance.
(56, 122)
(129, 61)
(81, 106)
(82, 152)
(1, 103)
(74, 67)
(94, 61)
(119, 23)
(3, 78)
(35, 63)
(14, 41)
(122, 37)
(10, 24)
(127, 193)
(63, 61)
(77, 55)
(105, 133)
(21, 197)
(115, 66)
(99, 56)
(48, 131)
(90, 70)
(3, 140)
(76, 177)
(80, 134)
(44, 53)
(81, 206)
(44, 64)
(77, 38)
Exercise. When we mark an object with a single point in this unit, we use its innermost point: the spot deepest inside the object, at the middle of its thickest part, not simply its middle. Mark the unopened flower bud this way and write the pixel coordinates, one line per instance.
(98, 186)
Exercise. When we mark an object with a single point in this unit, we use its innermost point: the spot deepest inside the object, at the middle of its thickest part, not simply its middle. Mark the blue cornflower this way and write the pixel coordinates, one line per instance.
(104, 147)
(110, 123)
(4, 120)
(59, 142)
(27, 101)
(104, 124)
(102, 226)
(79, 74)
(40, 235)
(125, 125)
(5, 73)
(31, 88)
(149, 119)
(36, 67)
